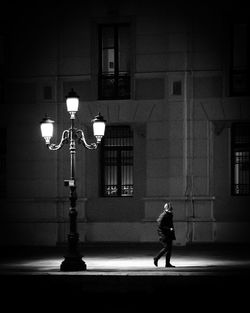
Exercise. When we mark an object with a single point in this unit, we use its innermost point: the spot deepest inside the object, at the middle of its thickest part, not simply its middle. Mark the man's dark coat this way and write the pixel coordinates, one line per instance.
(166, 227)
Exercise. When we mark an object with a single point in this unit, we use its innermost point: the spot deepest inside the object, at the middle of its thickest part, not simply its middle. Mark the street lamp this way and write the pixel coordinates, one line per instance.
(73, 259)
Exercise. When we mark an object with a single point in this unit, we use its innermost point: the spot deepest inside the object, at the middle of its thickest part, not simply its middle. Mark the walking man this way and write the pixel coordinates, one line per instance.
(166, 234)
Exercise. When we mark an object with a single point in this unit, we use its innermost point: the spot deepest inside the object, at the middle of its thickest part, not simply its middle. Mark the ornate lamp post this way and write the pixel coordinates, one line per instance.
(73, 259)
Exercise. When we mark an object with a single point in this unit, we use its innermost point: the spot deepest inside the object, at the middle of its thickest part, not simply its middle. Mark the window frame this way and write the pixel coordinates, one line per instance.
(119, 162)
(233, 70)
(237, 147)
(118, 76)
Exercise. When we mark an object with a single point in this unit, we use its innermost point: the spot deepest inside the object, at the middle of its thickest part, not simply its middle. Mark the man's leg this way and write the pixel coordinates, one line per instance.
(169, 245)
(160, 254)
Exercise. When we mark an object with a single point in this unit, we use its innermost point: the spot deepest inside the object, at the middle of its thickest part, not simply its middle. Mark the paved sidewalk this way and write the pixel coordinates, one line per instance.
(128, 258)
(125, 274)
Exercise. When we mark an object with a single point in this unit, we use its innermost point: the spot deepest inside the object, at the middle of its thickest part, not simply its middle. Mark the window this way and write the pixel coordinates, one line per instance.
(240, 60)
(117, 162)
(114, 61)
(3, 149)
(241, 159)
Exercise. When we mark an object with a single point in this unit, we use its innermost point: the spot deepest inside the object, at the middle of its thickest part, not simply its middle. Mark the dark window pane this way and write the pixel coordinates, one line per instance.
(123, 86)
(124, 48)
(240, 67)
(240, 46)
(107, 86)
(107, 37)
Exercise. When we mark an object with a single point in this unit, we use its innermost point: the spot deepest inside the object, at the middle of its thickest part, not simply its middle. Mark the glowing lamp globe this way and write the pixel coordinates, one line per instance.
(46, 126)
(99, 127)
(72, 102)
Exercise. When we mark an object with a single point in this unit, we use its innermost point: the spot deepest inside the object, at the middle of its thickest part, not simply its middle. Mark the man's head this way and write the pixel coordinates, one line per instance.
(168, 207)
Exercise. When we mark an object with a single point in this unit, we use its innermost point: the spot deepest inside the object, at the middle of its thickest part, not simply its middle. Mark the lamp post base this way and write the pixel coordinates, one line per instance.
(71, 264)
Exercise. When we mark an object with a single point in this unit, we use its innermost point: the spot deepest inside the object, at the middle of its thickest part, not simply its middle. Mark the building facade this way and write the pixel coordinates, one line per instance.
(173, 86)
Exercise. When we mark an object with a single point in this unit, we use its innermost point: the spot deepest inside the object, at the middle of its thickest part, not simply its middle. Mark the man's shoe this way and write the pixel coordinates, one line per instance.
(156, 262)
(169, 265)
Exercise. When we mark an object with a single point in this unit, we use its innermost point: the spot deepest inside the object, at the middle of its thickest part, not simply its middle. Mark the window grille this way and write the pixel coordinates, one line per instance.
(117, 162)
(114, 61)
(241, 159)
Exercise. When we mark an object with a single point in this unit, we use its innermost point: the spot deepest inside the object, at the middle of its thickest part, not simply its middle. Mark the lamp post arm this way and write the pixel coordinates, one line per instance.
(82, 140)
(64, 139)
